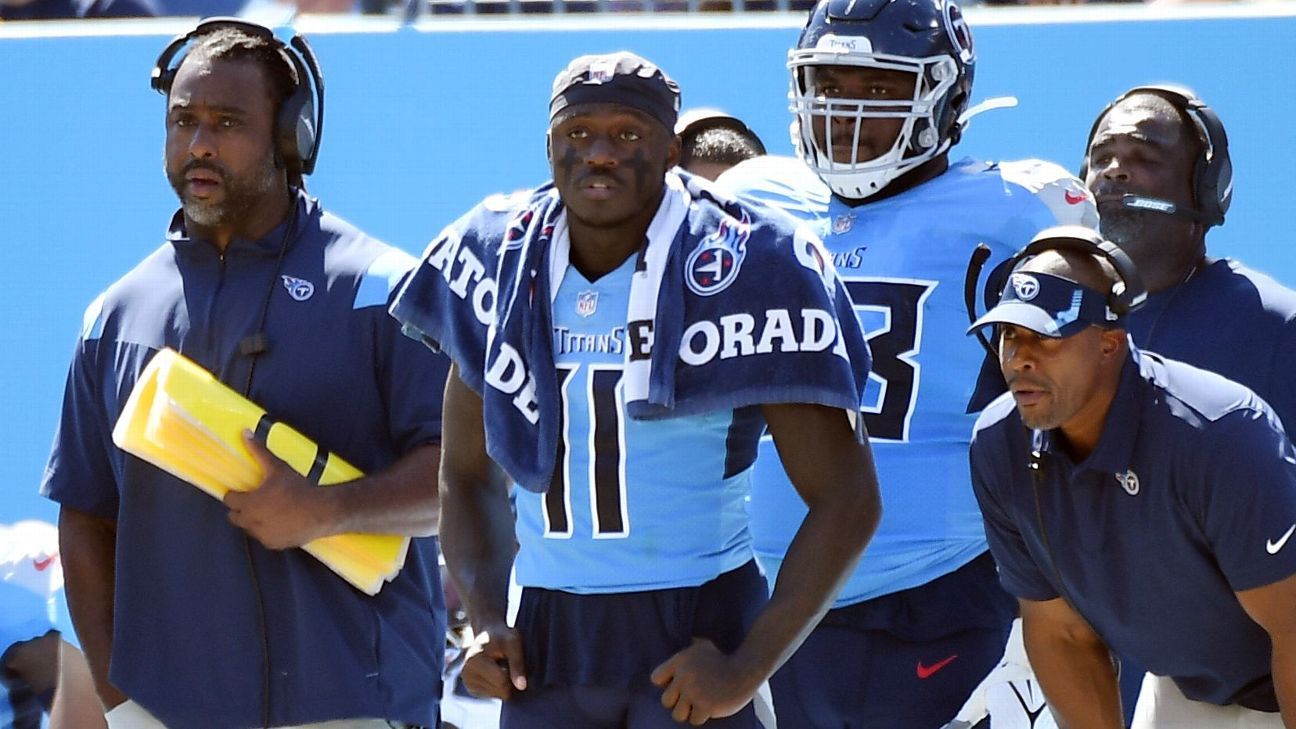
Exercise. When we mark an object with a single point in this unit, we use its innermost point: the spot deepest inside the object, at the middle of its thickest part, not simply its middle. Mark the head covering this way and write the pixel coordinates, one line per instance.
(1049, 305)
(621, 78)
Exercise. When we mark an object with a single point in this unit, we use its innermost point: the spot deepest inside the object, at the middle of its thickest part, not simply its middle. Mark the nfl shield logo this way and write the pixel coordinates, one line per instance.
(602, 72)
(843, 223)
(586, 303)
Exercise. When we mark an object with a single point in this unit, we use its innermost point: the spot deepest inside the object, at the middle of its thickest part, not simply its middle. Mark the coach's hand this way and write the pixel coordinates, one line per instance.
(286, 510)
(494, 667)
(702, 683)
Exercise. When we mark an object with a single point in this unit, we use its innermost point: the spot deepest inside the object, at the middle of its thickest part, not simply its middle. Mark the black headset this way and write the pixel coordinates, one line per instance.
(1125, 295)
(1213, 171)
(299, 124)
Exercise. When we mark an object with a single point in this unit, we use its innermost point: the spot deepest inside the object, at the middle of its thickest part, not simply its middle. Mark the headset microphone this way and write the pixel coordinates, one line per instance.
(1143, 203)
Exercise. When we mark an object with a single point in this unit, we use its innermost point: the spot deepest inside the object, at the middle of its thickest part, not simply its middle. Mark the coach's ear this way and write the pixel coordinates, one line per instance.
(1112, 343)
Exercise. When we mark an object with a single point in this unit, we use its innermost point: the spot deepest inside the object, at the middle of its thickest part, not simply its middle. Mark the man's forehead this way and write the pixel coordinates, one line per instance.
(1141, 122)
(225, 82)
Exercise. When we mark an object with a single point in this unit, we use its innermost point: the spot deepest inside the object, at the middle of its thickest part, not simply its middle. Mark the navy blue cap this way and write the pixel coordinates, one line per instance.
(623, 78)
(1049, 305)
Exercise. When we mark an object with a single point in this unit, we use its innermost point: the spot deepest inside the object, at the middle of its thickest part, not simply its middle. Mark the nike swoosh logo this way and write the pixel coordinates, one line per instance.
(43, 564)
(1273, 547)
(929, 671)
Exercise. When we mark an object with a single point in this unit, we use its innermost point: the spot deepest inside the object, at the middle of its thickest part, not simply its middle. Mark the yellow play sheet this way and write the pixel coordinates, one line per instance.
(183, 420)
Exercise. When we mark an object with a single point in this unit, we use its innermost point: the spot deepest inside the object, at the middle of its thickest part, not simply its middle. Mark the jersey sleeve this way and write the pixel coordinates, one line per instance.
(412, 377)
(30, 576)
(79, 473)
(1018, 571)
(1061, 193)
(1245, 498)
(1281, 391)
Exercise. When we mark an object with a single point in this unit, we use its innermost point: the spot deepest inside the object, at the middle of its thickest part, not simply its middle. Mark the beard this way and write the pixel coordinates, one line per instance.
(1123, 226)
(1153, 240)
(241, 194)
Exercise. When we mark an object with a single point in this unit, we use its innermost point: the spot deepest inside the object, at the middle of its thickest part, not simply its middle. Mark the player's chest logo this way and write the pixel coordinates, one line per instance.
(587, 303)
(299, 289)
(843, 223)
(1129, 481)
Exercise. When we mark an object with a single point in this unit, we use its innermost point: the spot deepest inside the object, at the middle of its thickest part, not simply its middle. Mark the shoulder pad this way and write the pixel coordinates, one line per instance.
(1061, 192)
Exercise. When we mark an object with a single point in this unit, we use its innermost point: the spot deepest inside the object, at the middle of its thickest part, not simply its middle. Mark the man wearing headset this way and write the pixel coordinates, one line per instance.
(1157, 161)
(1134, 504)
(197, 613)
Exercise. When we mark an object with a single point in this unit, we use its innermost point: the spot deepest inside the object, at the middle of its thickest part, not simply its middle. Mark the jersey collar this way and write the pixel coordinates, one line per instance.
(268, 244)
(1115, 450)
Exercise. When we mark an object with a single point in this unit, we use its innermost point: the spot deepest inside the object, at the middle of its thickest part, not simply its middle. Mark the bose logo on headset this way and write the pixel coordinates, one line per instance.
(1212, 181)
(299, 125)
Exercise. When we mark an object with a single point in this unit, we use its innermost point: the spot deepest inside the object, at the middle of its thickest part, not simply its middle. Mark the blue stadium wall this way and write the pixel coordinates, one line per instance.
(424, 120)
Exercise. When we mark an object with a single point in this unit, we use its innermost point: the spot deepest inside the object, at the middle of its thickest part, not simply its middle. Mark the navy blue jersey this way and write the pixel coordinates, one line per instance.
(904, 259)
(188, 637)
(1188, 497)
(1228, 319)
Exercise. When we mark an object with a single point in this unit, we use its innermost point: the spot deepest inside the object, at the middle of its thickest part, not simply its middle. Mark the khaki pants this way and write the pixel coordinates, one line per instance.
(131, 715)
(1162, 706)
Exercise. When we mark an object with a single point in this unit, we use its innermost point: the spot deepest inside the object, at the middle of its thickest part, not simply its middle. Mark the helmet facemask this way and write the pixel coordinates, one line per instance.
(925, 133)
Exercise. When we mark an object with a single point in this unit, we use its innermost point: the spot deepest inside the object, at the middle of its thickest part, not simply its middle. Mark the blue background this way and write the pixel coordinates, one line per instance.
(423, 121)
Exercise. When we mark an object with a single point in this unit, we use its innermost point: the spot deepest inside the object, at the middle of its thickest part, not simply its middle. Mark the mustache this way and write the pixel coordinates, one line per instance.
(1026, 380)
(198, 164)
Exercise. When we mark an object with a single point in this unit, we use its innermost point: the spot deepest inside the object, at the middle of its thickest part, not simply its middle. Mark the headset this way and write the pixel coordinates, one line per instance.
(299, 124)
(1125, 295)
(1212, 182)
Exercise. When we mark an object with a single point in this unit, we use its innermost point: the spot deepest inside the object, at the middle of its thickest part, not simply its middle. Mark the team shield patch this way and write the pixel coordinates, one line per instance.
(716, 261)
(586, 303)
(1025, 286)
(298, 288)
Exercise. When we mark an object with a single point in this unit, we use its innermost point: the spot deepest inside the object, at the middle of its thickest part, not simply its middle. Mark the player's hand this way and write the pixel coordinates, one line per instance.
(494, 667)
(701, 683)
(285, 511)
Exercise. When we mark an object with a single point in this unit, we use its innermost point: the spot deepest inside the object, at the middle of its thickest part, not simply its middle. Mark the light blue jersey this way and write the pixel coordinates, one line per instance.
(31, 604)
(904, 261)
(636, 504)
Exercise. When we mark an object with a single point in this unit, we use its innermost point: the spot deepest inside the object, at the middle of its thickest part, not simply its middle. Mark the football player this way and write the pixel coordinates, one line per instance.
(880, 93)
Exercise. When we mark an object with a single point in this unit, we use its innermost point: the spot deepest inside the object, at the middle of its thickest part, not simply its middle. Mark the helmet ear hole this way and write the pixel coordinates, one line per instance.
(927, 138)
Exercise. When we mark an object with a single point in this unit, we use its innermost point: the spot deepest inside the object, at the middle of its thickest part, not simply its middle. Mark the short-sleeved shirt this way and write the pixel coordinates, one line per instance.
(1228, 319)
(194, 594)
(1188, 497)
